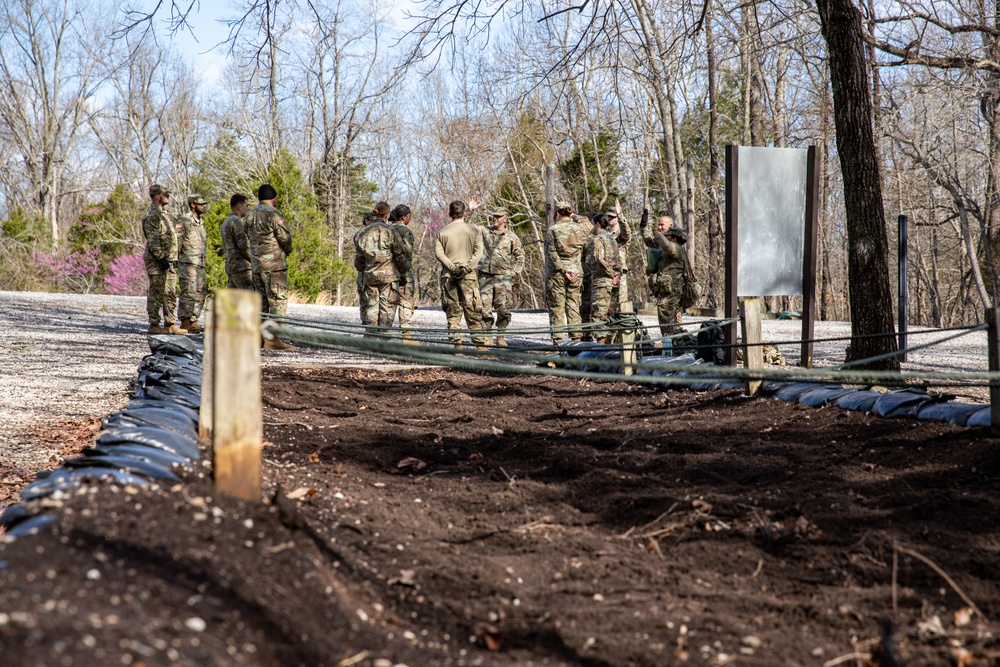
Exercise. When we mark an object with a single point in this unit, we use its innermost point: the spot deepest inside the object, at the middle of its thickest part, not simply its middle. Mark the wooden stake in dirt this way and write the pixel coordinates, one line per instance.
(753, 353)
(628, 344)
(237, 425)
(993, 354)
(205, 409)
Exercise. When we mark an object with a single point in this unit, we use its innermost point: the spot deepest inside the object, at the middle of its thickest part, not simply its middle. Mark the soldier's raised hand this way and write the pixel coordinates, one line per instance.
(644, 222)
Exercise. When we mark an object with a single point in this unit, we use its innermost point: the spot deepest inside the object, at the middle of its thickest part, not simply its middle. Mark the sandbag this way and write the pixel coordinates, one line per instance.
(900, 404)
(159, 456)
(953, 413)
(152, 437)
(123, 463)
(823, 394)
(793, 391)
(980, 418)
(861, 401)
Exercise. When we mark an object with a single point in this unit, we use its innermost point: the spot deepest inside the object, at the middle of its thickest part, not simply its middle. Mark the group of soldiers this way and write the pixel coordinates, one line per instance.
(585, 267)
(256, 243)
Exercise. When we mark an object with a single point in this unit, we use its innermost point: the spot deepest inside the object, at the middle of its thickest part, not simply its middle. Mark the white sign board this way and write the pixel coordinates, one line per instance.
(771, 224)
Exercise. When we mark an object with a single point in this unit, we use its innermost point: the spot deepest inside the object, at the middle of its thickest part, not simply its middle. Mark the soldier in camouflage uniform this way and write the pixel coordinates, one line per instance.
(270, 244)
(359, 268)
(459, 247)
(564, 243)
(668, 281)
(236, 246)
(503, 258)
(604, 268)
(160, 259)
(191, 263)
(622, 236)
(380, 257)
(406, 296)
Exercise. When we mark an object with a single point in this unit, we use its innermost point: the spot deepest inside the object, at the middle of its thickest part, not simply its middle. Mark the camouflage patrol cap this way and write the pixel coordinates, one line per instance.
(611, 214)
(196, 199)
(500, 212)
(157, 189)
(678, 233)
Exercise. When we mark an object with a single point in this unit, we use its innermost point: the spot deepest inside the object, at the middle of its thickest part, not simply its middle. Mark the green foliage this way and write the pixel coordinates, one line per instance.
(591, 187)
(113, 226)
(25, 228)
(215, 258)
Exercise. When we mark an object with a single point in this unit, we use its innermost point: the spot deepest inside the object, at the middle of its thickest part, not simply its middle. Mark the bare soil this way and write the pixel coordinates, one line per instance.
(441, 518)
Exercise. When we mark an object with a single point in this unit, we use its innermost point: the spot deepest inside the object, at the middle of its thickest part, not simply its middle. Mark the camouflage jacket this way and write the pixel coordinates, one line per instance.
(458, 244)
(269, 238)
(235, 245)
(564, 243)
(503, 254)
(161, 239)
(379, 254)
(602, 259)
(190, 240)
(406, 236)
(673, 258)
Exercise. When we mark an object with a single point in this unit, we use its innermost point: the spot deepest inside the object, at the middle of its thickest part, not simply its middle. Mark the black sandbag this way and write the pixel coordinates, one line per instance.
(661, 366)
(861, 401)
(900, 404)
(175, 345)
(163, 362)
(123, 463)
(824, 394)
(152, 417)
(189, 394)
(152, 437)
(65, 479)
(14, 514)
(142, 402)
(47, 483)
(573, 348)
(792, 392)
(190, 379)
(980, 418)
(161, 394)
(132, 450)
(30, 526)
(953, 413)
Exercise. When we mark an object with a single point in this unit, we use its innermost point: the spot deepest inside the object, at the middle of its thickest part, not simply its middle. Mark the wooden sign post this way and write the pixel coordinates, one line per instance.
(205, 409)
(237, 424)
(753, 353)
(993, 357)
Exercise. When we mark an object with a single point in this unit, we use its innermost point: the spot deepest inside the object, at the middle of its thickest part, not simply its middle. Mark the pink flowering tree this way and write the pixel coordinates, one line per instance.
(77, 271)
(127, 275)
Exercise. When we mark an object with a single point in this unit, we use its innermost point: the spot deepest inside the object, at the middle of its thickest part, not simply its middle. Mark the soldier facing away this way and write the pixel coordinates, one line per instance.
(160, 260)
(459, 247)
(270, 244)
(191, 263)
(380, 257)
(564, 249)
(604, 264)
(236, 246)
(503, 258)
(406, 296)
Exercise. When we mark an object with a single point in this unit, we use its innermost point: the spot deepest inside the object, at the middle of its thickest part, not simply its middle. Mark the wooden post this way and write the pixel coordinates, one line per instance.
(753, 353)
(237, 428)
(207, 398)
(809, 255)
(628, 344)
(993, 354)
(731, 254)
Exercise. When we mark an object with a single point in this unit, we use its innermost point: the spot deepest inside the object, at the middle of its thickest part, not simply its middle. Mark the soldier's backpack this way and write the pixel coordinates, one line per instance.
(372, 248)
(653, 256)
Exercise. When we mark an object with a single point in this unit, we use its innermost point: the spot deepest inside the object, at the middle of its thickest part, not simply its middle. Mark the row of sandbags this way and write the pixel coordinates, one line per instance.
(148, 442)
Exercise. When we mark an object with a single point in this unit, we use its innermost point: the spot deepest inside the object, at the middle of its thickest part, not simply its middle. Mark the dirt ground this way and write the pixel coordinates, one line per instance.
(439, 518)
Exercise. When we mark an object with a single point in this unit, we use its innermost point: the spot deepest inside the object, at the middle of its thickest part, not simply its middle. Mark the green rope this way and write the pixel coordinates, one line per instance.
(897, 353)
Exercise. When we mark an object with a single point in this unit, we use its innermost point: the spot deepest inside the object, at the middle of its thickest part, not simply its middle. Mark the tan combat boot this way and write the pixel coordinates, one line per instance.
(501, 341)
(192, 326)
(175, 330)
(156, 330)
(278, 344)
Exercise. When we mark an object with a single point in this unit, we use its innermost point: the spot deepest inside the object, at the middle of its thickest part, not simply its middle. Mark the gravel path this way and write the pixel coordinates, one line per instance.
(70, 358)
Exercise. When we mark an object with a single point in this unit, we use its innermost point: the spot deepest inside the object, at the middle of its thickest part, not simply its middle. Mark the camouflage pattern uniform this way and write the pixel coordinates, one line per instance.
(380, 258)
(668, 281)
(191, 266)
(604, 263)
(237, 250)
(586, 299)
(564, 243)
(503, 258)
(161, 243)
(406, 296)
(270, 244)
(459, 244)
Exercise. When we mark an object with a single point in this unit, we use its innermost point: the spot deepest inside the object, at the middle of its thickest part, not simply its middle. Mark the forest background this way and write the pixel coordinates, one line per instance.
(340, 103)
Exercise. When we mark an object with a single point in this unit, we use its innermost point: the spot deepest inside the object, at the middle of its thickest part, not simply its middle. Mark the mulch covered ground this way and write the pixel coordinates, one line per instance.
(441, 518)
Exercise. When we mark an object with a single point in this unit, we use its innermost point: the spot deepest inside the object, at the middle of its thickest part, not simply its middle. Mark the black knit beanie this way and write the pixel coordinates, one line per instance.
(266, 192)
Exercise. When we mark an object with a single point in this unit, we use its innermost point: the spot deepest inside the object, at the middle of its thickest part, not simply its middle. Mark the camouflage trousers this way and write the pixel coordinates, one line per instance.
(162, 298)
(497, 293)
(563, 299)
(379, 309)
(273, 289)
(193, 288)
(405, 299)
(362, 300)
(241, 280)
(602, 305)
(461, 297)
(668, 313)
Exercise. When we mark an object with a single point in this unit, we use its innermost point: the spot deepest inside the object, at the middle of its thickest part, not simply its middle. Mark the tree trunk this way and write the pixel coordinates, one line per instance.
(715, 242)
(868, 266)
